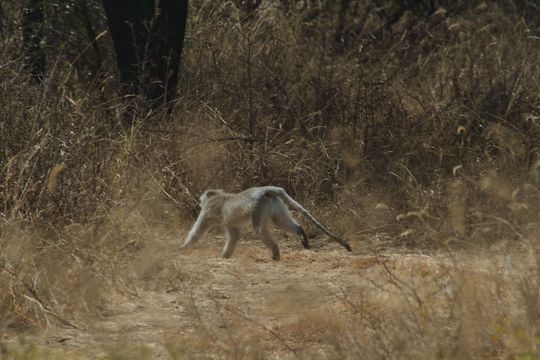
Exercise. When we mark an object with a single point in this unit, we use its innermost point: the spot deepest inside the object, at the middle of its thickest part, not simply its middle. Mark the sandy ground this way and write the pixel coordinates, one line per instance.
(195, 304)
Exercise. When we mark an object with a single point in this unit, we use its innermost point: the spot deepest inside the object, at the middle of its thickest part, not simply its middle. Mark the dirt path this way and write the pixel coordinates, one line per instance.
(207, 297)
(197, 303)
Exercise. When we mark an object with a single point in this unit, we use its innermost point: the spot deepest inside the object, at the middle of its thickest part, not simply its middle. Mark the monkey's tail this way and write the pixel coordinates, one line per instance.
(282, 194)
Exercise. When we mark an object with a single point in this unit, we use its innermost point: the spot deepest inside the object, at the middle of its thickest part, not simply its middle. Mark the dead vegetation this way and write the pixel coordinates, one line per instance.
(419, 140)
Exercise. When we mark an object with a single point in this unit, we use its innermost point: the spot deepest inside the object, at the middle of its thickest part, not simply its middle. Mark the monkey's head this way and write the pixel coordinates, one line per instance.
(208, 194)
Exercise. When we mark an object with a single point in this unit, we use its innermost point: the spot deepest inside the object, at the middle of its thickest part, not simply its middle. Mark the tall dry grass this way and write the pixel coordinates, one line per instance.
(425, 137)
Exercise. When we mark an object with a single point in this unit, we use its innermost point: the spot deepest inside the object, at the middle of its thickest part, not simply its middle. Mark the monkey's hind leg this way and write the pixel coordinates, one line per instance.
(232, 235)
(264, 234)
(286, 223)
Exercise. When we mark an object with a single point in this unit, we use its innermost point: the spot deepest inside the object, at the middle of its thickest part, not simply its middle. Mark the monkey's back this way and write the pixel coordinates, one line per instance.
(238, 208)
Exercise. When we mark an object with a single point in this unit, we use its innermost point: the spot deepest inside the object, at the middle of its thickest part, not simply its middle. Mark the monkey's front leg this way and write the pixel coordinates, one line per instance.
(199, 228)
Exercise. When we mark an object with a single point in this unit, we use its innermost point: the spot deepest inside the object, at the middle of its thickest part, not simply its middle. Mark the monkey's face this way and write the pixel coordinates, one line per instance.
(208, 194)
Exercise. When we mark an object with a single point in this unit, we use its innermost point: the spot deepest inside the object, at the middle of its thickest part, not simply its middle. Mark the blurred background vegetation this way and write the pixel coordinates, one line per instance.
(428, 109)
(407, 124)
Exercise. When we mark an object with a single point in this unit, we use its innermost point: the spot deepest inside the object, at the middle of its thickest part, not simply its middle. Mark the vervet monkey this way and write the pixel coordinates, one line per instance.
(256, 205)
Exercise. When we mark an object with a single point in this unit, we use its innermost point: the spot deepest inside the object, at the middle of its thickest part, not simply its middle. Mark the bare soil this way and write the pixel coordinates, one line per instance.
(194, 304)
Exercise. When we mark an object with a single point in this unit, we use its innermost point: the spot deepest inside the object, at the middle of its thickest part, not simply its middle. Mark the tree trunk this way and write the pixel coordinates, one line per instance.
(2, 16)
(148, 40)
(168, 34)
(127, 30)
(32, 30)
(85, 16)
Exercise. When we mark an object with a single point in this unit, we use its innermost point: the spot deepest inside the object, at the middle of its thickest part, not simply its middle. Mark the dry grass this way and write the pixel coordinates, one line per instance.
(423, 141)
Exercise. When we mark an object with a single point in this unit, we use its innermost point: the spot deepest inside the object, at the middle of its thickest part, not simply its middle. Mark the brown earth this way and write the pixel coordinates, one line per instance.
(194, 304)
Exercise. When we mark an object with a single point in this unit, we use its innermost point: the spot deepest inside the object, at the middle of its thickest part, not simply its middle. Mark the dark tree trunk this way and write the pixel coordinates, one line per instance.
(32, 29)
(127, 30)
(85, 16)
(2, 16)
(339, 36)
(168, 34)
(148, 41)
